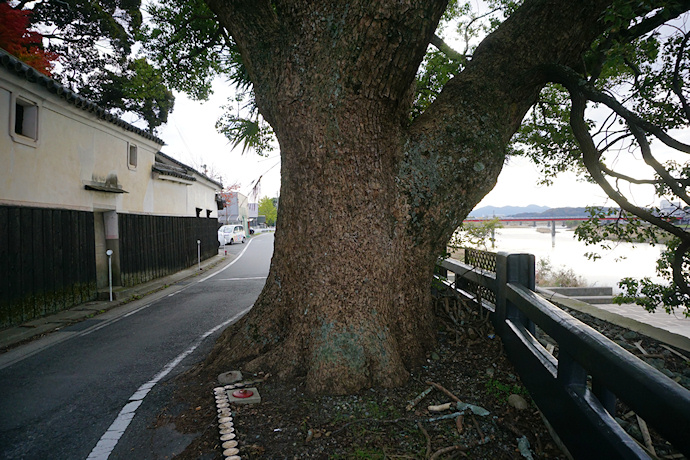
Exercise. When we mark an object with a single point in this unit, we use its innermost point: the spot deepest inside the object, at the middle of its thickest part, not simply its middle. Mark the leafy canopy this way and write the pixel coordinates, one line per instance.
(18, 40)
(92, 43)
(267, 207)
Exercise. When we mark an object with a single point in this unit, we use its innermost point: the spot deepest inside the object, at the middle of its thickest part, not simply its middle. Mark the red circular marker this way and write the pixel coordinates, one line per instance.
(242, 393)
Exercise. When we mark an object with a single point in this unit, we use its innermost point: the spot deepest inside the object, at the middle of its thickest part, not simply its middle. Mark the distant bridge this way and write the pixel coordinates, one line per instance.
(533, 219)
(552, 221)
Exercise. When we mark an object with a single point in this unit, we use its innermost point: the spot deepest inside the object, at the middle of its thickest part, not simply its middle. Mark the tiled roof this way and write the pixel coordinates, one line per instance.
(170, 170)
(18, 68)
(186, 168)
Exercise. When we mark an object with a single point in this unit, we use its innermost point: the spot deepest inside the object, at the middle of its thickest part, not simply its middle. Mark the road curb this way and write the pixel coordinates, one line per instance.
(17, 335)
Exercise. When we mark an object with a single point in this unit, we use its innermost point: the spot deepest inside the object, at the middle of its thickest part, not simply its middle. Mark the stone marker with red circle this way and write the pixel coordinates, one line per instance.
(243, 393)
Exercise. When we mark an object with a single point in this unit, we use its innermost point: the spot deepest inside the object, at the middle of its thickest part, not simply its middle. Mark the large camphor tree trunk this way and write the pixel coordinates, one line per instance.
(369, 199)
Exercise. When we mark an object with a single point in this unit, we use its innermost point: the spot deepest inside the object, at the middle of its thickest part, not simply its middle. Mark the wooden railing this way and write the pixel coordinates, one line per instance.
(577, 392)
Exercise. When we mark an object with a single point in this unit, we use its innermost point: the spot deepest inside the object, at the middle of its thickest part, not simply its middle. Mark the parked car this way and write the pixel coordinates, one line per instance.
(229, 234)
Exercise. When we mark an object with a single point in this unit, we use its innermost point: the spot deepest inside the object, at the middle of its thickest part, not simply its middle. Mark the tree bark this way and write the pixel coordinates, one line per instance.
(368, 201)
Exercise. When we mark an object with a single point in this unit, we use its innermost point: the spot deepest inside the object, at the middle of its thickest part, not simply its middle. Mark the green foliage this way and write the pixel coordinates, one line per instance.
(94, 42)
(651, 295)
(626, 228)
(475, 234)
(138, 89)
(268, 208)
(252, 133)
(185, 40)
(365, 453)
(546, 138)
(435, 72)
(548, 275)
(501, 391)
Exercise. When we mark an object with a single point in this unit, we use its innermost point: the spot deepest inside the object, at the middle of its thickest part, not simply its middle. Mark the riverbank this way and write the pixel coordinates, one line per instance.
(564, 251)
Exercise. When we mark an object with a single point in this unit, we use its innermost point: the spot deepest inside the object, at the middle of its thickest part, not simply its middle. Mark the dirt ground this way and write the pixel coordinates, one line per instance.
(468, 365)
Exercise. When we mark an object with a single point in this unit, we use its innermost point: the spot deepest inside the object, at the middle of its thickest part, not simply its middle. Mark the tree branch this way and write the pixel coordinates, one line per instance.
(467, 28)
(676, 83)
(590, 156)
(446, 49)
(649, 24)
(658, 167)
(574, 83)
(606, 170)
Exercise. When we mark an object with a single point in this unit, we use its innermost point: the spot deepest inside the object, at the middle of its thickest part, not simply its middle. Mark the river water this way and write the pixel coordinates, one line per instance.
(620, 262)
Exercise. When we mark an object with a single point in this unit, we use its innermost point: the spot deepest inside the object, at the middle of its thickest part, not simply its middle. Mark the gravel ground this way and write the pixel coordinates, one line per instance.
(468, 365)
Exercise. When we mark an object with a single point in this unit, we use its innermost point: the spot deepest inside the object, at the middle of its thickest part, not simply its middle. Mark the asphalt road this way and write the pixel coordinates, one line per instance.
(96, 394)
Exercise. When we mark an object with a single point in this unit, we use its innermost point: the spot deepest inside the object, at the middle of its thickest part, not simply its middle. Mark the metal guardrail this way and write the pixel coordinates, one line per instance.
(576, 392)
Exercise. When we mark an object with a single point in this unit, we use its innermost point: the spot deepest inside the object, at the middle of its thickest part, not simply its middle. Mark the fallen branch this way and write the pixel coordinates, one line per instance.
(446, 450)
(441, 388)
(445, 417)
(439, 408)
(645, 434)
(680, 355)
(419, 397)
(638, 344)
(458, 424)
(428, 439)
(476, 424)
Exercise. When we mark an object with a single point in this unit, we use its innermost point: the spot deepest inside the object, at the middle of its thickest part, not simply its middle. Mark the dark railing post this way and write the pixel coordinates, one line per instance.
(499, 316)
(440, 271)
(515, 269)
(570, 373)
(605, 396)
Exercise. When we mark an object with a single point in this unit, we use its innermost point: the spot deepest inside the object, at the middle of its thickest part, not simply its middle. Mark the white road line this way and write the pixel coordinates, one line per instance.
(243, 279)
(14, 356)
(230, 264)
(114, 320)
(110, 438)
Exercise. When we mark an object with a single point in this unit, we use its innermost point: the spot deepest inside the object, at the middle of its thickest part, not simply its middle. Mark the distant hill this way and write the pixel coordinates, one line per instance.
(555, 212)
(532, 211)
(505, 211)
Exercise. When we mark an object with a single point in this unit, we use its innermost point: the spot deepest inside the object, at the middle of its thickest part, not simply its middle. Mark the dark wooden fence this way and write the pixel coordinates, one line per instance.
(577, 391)
(155, 246)
(47, 262)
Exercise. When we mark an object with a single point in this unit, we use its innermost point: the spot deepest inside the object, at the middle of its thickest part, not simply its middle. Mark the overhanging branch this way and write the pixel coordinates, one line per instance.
(591, 155)
(575, 84)
(446, 49)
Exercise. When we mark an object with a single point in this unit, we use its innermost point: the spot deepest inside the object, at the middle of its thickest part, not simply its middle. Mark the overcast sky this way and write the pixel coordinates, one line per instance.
(191, 137)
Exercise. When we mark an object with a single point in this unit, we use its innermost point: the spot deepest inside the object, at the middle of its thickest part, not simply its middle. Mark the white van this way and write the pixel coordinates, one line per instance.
(229, 234)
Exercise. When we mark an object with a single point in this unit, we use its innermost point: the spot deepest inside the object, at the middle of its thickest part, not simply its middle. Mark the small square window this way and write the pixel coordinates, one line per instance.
(25, 119)
(132, 156)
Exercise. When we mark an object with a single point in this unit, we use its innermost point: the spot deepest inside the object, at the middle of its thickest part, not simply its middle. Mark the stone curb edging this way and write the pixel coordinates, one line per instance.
(656, 333)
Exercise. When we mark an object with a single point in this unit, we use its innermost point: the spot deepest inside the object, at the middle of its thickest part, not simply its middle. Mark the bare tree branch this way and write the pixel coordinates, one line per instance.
(658, 167)
(676, 83)
(606, 170)
(446, 49)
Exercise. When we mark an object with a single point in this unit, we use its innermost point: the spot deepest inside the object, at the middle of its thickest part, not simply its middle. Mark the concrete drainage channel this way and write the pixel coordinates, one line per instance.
(234, 391)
